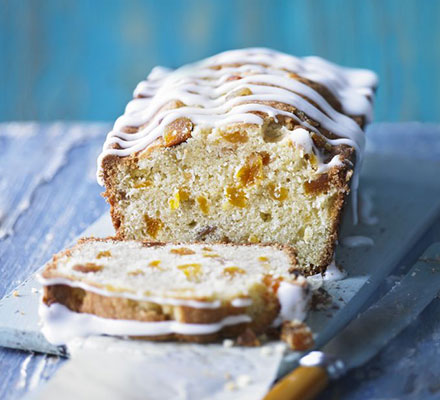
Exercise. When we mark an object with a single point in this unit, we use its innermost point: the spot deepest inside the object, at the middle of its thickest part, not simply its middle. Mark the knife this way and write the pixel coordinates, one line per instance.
(380, 323)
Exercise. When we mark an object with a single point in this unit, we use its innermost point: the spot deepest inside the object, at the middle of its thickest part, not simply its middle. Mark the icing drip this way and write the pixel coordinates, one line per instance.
(357, 241)
(214, 97)
(334, 273)
(366, 209)
(294, 302)
(61, 325)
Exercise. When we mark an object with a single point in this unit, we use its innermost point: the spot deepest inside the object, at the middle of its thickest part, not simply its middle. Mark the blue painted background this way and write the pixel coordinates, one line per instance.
(77, 59)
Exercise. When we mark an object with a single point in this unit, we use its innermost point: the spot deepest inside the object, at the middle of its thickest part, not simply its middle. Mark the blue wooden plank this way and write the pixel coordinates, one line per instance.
(81, 59)
(63, 199)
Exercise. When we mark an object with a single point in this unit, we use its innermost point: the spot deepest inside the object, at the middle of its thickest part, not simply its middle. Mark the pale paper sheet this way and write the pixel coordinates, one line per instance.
(108, 368)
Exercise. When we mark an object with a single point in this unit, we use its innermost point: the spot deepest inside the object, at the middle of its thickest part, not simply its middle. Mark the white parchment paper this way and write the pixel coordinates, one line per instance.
(110, 368)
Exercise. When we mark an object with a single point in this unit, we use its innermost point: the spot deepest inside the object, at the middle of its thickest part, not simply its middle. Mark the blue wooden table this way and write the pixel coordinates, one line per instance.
(81, 59)
(48, 195)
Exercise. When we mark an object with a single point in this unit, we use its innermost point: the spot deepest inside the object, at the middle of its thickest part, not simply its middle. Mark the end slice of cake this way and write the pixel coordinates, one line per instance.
(248, 146)
(157, 291)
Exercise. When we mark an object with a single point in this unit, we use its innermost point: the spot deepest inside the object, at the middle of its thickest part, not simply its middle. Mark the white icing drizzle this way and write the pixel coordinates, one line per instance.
(301, 138)
(241, 302)
(210, 99)
(60, 325)
(357, 241)
(294, 303)
(334, 273)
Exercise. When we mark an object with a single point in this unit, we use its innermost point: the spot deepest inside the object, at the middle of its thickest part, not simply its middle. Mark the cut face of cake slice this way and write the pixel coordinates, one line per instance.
(189, 292)
(248, 146)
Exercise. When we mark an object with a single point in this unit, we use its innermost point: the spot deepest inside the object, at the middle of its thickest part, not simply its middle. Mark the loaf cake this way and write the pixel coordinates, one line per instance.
(157, 291)
(248, 146)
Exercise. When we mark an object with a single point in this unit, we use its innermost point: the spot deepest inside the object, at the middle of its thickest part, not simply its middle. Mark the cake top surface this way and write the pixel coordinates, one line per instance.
(246, 86)
(182, 271)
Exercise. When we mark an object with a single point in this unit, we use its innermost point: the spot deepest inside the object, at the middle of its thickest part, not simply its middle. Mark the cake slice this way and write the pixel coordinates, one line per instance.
(188, 292)
(248, 146)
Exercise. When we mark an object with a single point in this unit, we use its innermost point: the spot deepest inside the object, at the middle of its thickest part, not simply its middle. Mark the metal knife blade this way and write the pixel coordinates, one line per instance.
(365, 336)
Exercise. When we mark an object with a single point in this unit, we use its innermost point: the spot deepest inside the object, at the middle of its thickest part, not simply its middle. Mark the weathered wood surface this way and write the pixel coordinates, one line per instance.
(80, 59)
(48, 195)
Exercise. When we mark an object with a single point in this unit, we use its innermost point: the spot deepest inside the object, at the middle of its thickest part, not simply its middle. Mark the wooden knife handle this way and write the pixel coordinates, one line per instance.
(304, 383)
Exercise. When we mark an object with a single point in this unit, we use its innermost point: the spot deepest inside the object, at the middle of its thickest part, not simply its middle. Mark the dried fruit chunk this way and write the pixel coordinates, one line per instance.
(174, 202)
(177, 132)
(233, 270)
(265, 156)
(87, 267)
(297, 335)
(278, 193)
(142, 184)
(183, 251)
(102, 254)
(191, 271)
(312, 158)
(210, 255)
(319, 185)
(112, 288)
(235, 136)
(271, 282)
(183, 194)
(203, 204)
(154, 225)
(236, 197)
(254, 239)
(179, 196)
(264, 262)
(252, 171)
(136, 272)
(265, 216)
(154, 263)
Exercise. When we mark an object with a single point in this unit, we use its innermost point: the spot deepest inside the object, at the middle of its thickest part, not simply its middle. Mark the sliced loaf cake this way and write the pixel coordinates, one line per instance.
(189, 292)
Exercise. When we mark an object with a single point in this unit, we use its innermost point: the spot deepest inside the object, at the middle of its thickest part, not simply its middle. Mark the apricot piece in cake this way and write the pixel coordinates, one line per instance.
(203, 204)
(154, 225)
(236, 197)
(154, 263)
(87, 267)
(177, 132)
(136, 272)
(297, 335)
(102, 254)
(182, 251)
(233, 270)
(179, 196)
(317, 186)
(191, 271)
(252, 170)
(278, 193)
(143, 184)
(237, 136)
